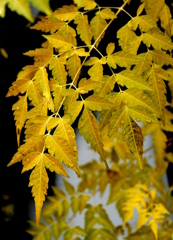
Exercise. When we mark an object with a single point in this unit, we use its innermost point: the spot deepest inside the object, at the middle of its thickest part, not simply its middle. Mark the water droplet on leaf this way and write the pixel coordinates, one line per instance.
(148, 120)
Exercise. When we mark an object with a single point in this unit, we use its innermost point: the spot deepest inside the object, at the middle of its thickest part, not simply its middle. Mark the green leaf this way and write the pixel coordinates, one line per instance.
(88, 126)
(83, 28)
(157, 39)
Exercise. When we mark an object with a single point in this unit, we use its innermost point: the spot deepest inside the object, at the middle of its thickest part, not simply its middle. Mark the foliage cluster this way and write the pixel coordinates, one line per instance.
(116, 98)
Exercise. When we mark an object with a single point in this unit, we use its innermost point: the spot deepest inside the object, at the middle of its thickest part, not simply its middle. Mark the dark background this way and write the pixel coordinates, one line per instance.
(16, 38)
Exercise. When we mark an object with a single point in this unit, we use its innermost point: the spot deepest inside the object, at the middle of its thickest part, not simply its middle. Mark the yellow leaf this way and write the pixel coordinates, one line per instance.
(116, 121)
(58, 70)
(36, 126)
(34, 143)
(124, 35)
(134, 138)
(123, 59)
(22, 8)
(88, 126)
(20, 113)
(142, 114)
(133, 97)
(23, 80)
(47, 24)
(59, 147)
(83, 28)
(53, 164)
(3, 8)
(156, 82)
(42, 5)
(3, 52)
(69, 188)
(161, 58)
(97, 103)
(34, 93)
(41, 55)
(73, 65)
(85, 85)
(165, 17)
(105, 85)
(41, 78)
(145, 22)
(59, 41)
(39, 183)
(154, 228)
(70, 98)
(132, 80)
(96, 71)
(74, 110)
(144, 216)
(110, 48)
(159, 142)
(153, 8)
(67, 132)
(75, 204)
(98, 24)
(66, 13)
(40, 109)
(107, 13)
(157, 39)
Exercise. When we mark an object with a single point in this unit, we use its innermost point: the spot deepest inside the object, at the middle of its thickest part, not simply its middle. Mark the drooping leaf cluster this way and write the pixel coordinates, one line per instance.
(22, 7)
(130, 99)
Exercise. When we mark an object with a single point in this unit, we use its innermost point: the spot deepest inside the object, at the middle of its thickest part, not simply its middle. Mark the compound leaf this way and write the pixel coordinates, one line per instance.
(88, 126)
